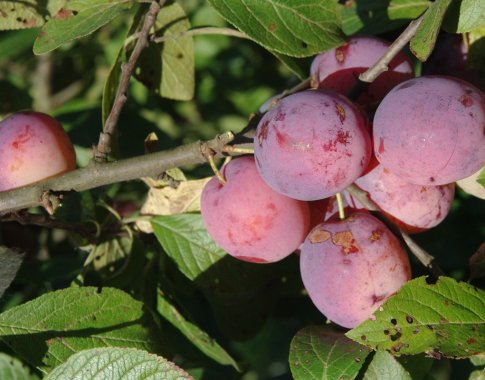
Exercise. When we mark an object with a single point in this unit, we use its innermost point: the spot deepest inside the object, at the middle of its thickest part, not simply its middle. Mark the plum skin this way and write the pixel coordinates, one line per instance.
(350, 267)
(414, 208)
(338, 69)
(33, 147)
(431, 130)
(248, 219)
(312, 144)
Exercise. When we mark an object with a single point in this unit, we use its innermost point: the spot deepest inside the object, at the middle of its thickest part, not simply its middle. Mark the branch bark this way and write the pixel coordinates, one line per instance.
(103, 149)
(49, 193)
(382, 63)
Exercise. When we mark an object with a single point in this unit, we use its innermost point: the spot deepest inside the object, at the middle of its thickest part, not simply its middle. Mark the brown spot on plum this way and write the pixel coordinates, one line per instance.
(343, 137)
(319, 236)
(280, 116)
(341, 53)
(282, 139)
(263, 133)
(22, 137)
(376, 235)
(340, 112)
(423, 189)
(346, 261)
(271, 206)
(378, 298)
(466, 100)
(346, 240)
(272, 27)
(431, 179)
(381, 146)
(409, 319)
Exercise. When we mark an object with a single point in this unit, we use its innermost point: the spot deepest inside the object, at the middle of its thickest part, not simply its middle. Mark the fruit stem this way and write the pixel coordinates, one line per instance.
(232, 149)
(340, 203)
(217, 173)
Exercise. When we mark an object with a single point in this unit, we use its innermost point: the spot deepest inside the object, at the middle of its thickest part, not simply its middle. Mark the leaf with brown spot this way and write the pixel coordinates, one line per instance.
(456, 330)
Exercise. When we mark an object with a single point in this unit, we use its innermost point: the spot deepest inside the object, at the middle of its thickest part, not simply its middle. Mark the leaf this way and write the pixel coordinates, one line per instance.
(241, 293)
(49, 329)
(21, 15)
(13, 369)
(385, 366)
(478, 360)
(194, 334)
(117, 363)
(76, 19)
(481, 177)
(319, 352)
(10, 262)
(15, 43)
(379, 16)
(423, 42)
(293, 64)
(108, 254)
(464, 16)
(298, 28)
(169, 201)
(478, 375)
(418, 366)
(168, 68)
(442, 319)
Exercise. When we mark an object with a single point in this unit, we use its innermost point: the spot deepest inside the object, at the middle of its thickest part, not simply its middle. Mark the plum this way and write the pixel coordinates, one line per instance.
(33, 146)
(414, 208)
(339, 69)
(350, 267)
(431, 130)
(248, 219)
(312, 144)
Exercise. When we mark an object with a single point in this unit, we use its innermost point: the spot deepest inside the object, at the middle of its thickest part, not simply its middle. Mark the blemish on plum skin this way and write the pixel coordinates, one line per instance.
(377, 299)
(343, 137)
(280, 116)
(263, 134)
(340, 112)
(252, 259)
(381, 145)
(341, 52)
(466, 101)
(376, 235)
(319, 236)
(271, 206)
(346, 240)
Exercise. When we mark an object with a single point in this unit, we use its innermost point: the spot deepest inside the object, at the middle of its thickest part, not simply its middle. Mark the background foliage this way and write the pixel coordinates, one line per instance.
(103, 281)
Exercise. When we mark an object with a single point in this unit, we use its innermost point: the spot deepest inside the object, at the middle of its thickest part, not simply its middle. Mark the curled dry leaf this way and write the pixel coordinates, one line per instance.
(169, 201)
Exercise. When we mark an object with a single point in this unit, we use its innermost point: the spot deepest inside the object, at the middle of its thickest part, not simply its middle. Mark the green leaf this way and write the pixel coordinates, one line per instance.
(379, 16)
(117, 363)
(193, 333)
(385, 366)
(481, 177)
(478, 375)
(241, 293)
(295, 65)
(442, 319)
(418, 366)
(15, 43)
(464, 16)
(319, 352)
(49, 329)
(478, 360)
(298, 28)
(25, 14)
(76, 19)
(13, 369)
(168, 68)
(423, 42)
(10, 262)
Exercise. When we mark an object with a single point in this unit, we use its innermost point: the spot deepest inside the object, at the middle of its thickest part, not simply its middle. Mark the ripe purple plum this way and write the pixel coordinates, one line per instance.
(350, 267)
(431, 130)
(312, 144)
(248, 219)
(33, 147)
(414, 208)
(339, 69)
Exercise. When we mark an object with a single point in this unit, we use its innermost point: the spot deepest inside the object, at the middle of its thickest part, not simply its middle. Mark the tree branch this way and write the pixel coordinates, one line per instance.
(382, 63)
(49, 193)
(102, 150)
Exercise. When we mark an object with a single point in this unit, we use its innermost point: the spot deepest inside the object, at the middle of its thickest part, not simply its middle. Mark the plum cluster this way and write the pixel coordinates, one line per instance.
(426, 133)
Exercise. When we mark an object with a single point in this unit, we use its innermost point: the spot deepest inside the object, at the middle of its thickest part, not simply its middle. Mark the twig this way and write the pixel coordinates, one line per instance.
(41, 83)
(382, 63)
(102, 150)
(422, 255)
(95, 175)
(202, 31)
